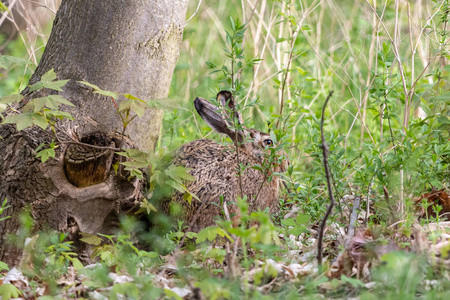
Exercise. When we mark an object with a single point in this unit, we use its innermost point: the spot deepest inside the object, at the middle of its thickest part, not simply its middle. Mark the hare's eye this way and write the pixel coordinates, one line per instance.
(268, 142)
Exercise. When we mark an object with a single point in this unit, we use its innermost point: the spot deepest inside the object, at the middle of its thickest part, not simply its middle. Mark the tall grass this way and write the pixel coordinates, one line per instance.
(381, 58)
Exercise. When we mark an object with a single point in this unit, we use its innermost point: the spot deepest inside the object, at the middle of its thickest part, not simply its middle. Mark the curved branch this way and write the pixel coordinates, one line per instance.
(328, 177)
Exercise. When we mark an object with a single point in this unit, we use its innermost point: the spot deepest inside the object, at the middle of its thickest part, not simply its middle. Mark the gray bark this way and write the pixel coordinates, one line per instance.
(121, 46)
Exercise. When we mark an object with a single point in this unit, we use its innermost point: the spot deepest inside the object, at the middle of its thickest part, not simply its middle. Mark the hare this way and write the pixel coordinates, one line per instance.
(215, 166)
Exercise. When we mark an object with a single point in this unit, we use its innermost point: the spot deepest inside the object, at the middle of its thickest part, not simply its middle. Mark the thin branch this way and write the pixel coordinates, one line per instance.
(73, 141)
(196, 11)
(353, 217)
(5, 13)
(283, 87)
(89, 145)
(325, 151)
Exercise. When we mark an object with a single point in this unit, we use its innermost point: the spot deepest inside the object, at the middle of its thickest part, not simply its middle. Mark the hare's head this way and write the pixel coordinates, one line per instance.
(228, 120)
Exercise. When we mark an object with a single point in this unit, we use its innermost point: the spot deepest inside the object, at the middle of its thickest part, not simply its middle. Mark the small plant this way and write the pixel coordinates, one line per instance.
(3, 208)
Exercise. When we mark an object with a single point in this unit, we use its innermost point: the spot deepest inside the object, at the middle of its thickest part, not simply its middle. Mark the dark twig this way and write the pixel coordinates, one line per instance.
(339, 197)
(90, 146)
(73, 141)
(328, 177)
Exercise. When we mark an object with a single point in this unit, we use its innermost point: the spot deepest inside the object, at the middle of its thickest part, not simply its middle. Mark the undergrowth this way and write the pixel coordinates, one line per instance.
(387, 129)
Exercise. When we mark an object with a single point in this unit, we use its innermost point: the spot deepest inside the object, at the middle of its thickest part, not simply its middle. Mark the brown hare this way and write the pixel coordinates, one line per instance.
(215, 166)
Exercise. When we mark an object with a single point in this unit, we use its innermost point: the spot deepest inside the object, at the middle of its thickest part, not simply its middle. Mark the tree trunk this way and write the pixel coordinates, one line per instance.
(121, 46)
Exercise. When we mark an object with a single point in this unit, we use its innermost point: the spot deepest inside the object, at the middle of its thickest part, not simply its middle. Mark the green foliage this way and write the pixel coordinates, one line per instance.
(296, 226)
(160, 173)
(46, 256)
(2, 210)
(126, 108)
(9, 62)
(3, 7)
(211, 233)
(214, 289)
(41, 111)
(45, 154)
(120, 252)
(48, 81)
(9, 291)
(400, 275)
(60, 252)
(98, 90)
(3, 266)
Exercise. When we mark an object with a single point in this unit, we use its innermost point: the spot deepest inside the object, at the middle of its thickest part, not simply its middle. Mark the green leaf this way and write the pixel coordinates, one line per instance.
(22, 121)
(210, 233)
(77, 264)
(93, 86)
(138, 108)
(3, 266)
(302, 219)
(187, 197)
(8, 291)
(10, 62)
(306, 27)
(210, 65)
(179, 187)
(11, 99)
(353, 281)
(40, 120)
(51, 101)
(288, 222)
(135, 164)
(3, 7)
(135, 105)
(297, 230)
(98, 90)
(136, 173)
(46, 154)
(131, 97)
(49, 76)
(217, 254)
(137, 155)
(56, 85)
(150, 254)
(59, 114)
(179, 173)
(127, 290)
(191, 235)
(91, 239)
(36, 86)
(147, 206)
(445, 250)
(47, 81)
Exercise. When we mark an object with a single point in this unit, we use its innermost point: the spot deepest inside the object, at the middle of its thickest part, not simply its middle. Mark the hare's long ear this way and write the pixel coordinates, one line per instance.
(225, 98)
(211, 115)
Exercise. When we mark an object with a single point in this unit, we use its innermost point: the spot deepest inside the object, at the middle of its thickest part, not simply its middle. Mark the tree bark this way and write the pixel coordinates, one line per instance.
(121, 46)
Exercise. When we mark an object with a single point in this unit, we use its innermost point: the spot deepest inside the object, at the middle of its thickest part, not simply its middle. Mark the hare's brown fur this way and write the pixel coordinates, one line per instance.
(214, 167)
